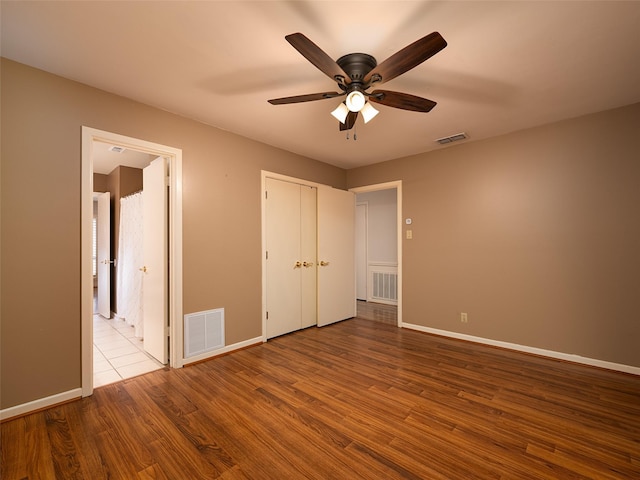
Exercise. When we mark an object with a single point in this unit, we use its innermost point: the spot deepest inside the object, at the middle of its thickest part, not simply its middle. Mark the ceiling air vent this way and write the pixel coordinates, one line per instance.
(452, 138)
(116, 149)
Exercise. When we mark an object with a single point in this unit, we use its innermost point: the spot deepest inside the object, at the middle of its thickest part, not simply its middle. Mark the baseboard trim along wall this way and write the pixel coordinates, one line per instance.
(40, 404)
(76, 394)
(533, 350)
(223, 350)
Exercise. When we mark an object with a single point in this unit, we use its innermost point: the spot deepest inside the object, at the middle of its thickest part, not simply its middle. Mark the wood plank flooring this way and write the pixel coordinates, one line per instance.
(378, 312)
(354, 400)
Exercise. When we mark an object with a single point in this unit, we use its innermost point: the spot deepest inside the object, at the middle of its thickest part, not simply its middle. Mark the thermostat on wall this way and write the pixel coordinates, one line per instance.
(408, 221)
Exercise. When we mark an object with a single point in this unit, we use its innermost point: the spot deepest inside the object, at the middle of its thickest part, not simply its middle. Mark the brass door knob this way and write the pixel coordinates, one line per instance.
(307, 264)
(143, 269)
(323, 263)
(297, 265)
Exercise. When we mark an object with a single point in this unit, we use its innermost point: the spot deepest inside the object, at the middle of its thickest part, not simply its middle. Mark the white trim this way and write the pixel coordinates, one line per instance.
(89, 135)
(397, 184)
(223, 350)
(41, 403)
(526, 349)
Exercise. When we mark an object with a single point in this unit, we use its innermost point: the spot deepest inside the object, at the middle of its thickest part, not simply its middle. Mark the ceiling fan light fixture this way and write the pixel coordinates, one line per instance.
(341, 112)
(355, 101)
(368, 112)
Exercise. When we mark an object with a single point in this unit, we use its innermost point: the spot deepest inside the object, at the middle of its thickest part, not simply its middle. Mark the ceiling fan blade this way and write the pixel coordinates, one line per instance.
(349, 121)
(304, 98)
(407, 58)
(317, 56)
(402, 100)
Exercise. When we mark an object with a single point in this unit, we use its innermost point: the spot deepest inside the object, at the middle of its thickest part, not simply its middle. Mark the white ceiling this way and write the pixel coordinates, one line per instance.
(105, 160)
(507, 66)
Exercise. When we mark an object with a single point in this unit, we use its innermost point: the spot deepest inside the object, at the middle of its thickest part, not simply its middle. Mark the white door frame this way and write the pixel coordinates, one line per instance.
(89, 136)
(387, 186)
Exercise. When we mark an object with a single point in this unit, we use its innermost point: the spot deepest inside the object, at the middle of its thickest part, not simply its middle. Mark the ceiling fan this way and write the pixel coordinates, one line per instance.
(355, 73)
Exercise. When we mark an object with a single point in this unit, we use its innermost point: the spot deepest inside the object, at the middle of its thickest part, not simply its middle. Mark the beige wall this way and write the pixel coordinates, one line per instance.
(535, 235)
(42, 116)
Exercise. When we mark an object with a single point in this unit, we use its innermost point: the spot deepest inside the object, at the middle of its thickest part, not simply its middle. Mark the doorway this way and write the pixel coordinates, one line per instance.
(381, 259)
(173, 326)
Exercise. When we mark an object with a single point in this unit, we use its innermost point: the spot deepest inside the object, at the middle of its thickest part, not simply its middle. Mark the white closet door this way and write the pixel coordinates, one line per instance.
(155, 252)
(283, 262)
(308, 253)
(336, 253)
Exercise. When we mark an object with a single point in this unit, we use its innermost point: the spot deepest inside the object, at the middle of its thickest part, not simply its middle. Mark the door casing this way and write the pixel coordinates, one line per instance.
(89, 136)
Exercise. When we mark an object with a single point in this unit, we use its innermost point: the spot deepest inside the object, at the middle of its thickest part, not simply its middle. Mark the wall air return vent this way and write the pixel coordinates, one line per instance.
(203, 332)
(452, 138)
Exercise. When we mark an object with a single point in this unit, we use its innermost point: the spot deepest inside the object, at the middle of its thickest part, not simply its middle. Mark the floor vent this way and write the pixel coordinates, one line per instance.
(203, 332)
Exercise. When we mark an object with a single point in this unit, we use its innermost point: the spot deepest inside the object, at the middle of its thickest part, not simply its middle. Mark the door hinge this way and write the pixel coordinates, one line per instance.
(266, 195)
(267, 315)
(266, 257)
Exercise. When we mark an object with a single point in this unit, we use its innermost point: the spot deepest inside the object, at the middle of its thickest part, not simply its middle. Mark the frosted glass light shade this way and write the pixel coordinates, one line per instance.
(355, 101)
(341, 113)
(368, 112)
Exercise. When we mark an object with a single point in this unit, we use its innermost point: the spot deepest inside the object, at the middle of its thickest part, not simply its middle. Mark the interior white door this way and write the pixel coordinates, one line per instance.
(283, 261)
(103, 254)
(336, 253)
(155, 253)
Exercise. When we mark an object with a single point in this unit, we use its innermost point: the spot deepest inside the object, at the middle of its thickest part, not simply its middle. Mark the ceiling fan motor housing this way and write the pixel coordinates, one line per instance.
(357, 65)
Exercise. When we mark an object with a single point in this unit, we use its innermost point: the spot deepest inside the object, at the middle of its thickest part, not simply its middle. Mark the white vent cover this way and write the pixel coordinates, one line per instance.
(452, 138)
(203, 332)
(116, 149)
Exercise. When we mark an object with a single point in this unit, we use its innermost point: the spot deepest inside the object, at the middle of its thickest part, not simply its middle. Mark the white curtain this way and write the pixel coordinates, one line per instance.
(130, 260)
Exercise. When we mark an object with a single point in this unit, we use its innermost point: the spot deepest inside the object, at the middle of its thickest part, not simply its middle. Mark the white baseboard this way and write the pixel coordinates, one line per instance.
(533, 350)
(39, 404)
(222, 351)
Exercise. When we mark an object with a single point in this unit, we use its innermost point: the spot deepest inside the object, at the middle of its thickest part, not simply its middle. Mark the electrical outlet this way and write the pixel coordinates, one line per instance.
(463, 317)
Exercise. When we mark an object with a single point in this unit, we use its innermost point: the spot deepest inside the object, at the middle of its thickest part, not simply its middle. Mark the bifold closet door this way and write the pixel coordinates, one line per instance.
(308, 253)
(290, 218)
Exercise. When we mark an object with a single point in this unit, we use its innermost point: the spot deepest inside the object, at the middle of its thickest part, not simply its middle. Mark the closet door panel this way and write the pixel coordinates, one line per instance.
(336, 254)
(308, 253)
(283, 253)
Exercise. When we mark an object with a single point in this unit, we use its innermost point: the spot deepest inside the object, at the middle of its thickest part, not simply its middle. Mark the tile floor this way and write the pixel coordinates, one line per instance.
(117, 353)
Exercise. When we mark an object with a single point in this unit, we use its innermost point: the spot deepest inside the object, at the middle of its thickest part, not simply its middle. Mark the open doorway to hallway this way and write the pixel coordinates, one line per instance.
(379, 252)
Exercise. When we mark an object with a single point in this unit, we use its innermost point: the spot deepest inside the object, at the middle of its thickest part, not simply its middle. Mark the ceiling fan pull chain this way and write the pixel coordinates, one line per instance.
(355, 134)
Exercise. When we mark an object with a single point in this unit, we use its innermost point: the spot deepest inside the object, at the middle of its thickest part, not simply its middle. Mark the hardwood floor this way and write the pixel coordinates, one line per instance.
(378, 312)
(354, 400)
